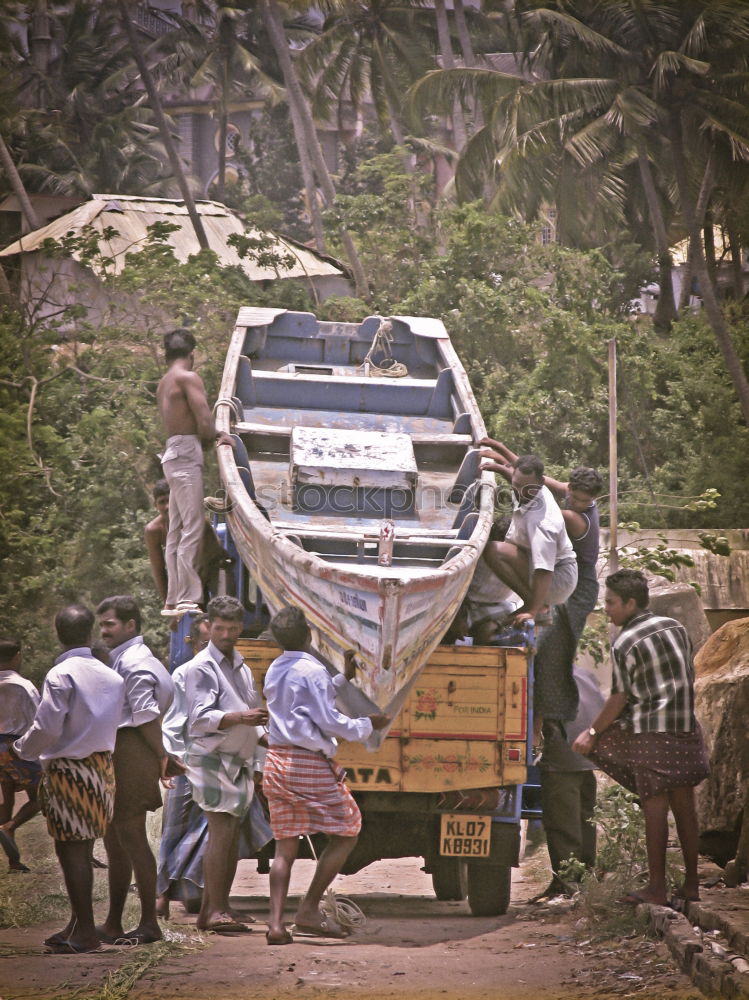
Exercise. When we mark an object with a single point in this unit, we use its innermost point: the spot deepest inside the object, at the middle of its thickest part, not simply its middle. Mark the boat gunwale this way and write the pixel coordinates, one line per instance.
(244, 508)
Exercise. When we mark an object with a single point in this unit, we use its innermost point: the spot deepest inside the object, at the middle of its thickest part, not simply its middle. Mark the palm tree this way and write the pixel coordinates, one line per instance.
(310, 151)
(227, 49)
(668, 78)
(164, 127)
(369, 49)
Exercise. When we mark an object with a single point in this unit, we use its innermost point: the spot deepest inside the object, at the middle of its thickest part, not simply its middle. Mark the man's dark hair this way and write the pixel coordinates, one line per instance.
(225, 607)
(160, 489)
(530, 465)
(74, 625)
(290, 628)
(9, 649)
(125, 608)
(178, 344)
(629, 583)
(195, 624)
(586, 480)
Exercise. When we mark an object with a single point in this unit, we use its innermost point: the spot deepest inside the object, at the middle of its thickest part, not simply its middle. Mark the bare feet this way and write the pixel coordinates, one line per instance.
(162, 907)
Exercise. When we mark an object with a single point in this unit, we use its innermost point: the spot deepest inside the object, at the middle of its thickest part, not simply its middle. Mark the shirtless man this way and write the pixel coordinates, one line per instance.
(188, 424)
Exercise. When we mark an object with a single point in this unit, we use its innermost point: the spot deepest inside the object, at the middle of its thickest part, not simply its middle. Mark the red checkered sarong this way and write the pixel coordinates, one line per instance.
(306, 793)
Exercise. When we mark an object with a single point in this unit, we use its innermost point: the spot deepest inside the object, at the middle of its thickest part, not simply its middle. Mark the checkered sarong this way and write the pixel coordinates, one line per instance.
(650, 763)
(306, 794)
(220, 782)
(77, 796)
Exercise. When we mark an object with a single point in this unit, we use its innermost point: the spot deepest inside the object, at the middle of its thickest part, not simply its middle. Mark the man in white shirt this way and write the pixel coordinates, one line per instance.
(305, 789)
(140, 760)
(224, 720)
(73, 735)
(19, 700)
(536, 559)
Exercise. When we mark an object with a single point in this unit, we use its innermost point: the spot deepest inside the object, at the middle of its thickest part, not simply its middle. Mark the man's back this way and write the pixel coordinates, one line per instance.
(172, 397)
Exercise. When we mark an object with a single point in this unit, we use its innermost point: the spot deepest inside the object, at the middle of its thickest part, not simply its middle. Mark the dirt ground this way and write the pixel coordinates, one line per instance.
(410, 946)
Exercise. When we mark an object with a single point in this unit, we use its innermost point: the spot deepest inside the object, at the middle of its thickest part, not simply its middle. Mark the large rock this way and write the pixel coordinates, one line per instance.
(682, 602)
(722, 707)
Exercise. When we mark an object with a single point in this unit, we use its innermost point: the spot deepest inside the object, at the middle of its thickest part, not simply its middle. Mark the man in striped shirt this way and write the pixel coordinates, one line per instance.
(646, 736)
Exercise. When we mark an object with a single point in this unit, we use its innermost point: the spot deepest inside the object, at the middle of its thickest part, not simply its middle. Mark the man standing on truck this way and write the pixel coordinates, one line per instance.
(536, 559)
(189, 426)
(306, 790)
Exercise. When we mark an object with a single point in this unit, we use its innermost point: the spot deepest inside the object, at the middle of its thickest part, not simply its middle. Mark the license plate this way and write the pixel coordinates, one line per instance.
(465, 836)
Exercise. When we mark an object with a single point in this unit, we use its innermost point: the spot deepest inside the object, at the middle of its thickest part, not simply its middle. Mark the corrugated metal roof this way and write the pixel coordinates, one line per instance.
(130, 216)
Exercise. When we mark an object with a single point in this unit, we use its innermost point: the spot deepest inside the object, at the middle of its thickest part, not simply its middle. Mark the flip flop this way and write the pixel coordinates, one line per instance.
(678, 900)
(227, 927)
(285, 938)
(137, 937)
(324, 929)
(10, 847)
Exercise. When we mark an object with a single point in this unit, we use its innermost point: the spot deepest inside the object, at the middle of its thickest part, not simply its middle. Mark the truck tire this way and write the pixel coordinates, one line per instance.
(449, 879)
(488, 888)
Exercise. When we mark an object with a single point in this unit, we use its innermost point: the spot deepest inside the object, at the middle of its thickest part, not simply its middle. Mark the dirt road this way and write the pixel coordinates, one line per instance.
(410, 946)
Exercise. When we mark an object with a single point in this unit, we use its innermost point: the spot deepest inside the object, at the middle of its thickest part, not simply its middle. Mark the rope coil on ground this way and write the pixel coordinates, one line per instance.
(344, 911)
(382, 342)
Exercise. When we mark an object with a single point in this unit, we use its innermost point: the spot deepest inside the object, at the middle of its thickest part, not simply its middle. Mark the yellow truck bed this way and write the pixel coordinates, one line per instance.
(463, 726)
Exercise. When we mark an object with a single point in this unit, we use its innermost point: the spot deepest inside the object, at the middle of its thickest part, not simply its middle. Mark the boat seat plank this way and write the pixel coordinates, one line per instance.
(418, 438)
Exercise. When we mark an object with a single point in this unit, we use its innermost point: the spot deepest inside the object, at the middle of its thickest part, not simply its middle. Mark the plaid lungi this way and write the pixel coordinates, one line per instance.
(184, 837)
(22, 774)
(306, 794)
(77, 796)
(651, 763)
(221, 782)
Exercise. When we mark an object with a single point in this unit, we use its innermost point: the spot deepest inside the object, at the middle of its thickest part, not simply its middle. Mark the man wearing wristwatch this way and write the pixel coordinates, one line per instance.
(646, 736)
(189, 427)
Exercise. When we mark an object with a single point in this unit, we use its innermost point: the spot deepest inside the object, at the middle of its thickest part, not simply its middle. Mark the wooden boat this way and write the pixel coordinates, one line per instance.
(352, 493)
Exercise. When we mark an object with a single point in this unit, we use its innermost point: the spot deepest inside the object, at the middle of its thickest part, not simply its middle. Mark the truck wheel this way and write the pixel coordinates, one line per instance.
(488, 889)
(449, 879)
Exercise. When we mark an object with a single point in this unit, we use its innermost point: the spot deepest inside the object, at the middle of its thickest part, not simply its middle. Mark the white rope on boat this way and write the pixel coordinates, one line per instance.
(382, 342)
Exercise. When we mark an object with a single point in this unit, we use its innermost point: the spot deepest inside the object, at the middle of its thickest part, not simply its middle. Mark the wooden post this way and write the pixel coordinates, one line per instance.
(613, 460)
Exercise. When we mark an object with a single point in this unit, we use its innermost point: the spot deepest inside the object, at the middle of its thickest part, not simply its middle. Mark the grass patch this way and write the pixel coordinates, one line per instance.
(28, 899)
(118, 983)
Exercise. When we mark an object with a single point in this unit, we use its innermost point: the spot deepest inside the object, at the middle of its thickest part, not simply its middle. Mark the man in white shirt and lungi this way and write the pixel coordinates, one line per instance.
(224, 720)
(304, 787)
(140, 760)
(73, 735)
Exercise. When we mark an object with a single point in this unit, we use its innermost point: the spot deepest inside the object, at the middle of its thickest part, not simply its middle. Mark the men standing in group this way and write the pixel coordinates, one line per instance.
(305, 789)
(189, 426)
(19, 700)
(73, 734)
(140, 760)
(536, 560)
(224, 720)
(646, 736)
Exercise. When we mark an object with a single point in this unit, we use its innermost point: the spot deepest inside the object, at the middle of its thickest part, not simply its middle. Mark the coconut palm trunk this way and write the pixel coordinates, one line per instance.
(448, 62)
(164, 129)
(665, 312)
(700, 269)
(14, 179)
(297, 100)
